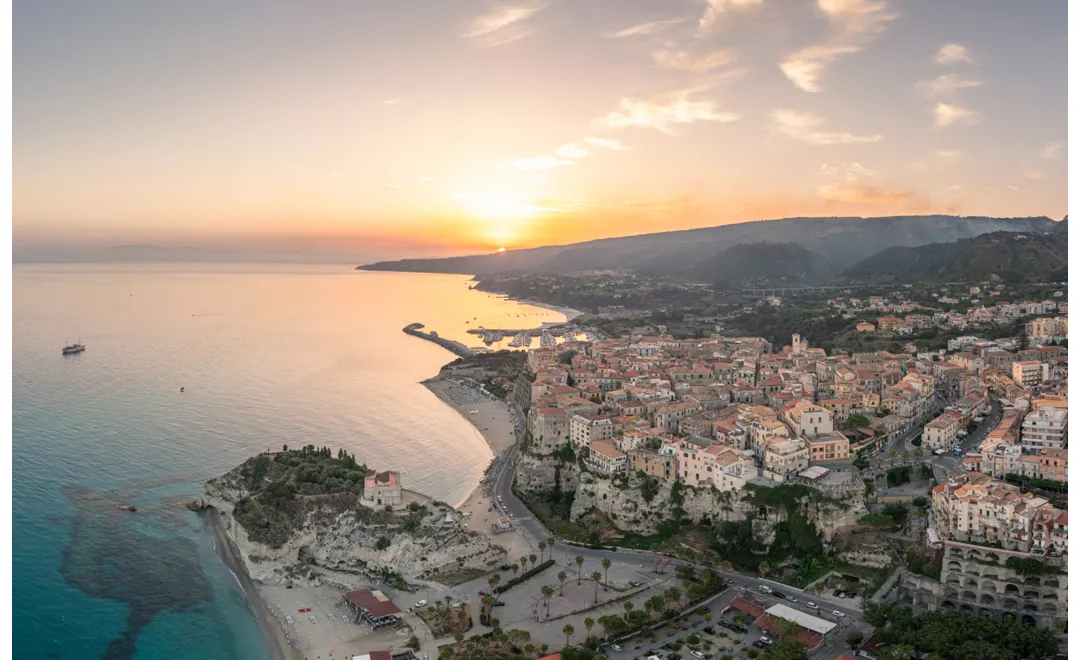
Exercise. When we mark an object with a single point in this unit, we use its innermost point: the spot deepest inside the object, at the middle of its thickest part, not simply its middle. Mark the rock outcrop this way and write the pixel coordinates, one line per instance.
(416, 544)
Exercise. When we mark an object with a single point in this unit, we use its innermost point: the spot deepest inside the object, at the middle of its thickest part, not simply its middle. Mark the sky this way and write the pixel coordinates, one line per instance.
(403, 128)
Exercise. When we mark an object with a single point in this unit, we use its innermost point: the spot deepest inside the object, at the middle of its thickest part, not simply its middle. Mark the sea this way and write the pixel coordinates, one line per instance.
(267, 355)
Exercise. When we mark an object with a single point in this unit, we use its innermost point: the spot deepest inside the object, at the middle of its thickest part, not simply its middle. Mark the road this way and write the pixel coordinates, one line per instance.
(952, 464)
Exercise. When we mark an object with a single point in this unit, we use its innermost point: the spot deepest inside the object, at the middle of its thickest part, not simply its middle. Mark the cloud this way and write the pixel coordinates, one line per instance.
(946, 114)
(503, 24)
(536, 164)
(1052, 150)
(857, 192)
(571, 151)
(643, 29)
(606, 143)
(952, 189)
(948, 154)
(945, 85)
(664, 113)
(849, 170)
(392, 101)
(804, 126)
(1012, 188)
(852, 24)
(715, 9)
(952, 54)
(686, 61)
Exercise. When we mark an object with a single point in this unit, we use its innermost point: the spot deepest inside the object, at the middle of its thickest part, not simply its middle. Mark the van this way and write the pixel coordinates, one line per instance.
(765, 589)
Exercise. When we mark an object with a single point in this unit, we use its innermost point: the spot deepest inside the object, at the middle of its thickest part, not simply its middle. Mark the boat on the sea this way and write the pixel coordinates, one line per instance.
(570, 337)
(517, 341)
(72, 349)
(547, 341)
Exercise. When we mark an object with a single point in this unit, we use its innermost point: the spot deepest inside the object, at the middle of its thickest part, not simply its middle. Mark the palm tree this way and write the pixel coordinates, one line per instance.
(514, 569)
(529, 649)
(524, 561)
(548, 593)
(551, 544)
(906, 454)
(459, 637)
(542, 546)
(628, 606)
(562, 579)
(918, 452)
(579, 560)
(588, 626)
(596, 585)
(892, 454)
(494, 580)
(672, 595)
(568, 630)
(532, 560)
(606, 564)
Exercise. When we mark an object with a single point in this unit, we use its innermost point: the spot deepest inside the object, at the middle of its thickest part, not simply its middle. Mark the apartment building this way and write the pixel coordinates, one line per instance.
(785, 458)
(605, 459)
(668, 416)
(806, 419)
(1045, 428)
(587, 429)
(831, 446)
(941, 431)
(1028, 373)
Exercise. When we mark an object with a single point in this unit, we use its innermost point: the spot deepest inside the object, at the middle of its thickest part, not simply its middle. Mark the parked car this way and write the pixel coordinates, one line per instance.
(836, 593)
(498, 604)
(765, 589)
(709, 630)
(420, 603)
(759, 644)
(482, 592)
(838, 614)
(698, 654)
(793, 599)
(811, 605)
(765, 640)
(615, 647)
(779, 594)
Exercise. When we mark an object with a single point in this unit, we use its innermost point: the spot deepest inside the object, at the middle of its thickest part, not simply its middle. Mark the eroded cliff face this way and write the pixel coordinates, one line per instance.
(626, 506)
(545, 474)
(352, 540)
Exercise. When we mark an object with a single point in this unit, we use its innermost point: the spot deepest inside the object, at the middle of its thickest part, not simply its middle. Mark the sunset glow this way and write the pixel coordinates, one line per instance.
(468, 126)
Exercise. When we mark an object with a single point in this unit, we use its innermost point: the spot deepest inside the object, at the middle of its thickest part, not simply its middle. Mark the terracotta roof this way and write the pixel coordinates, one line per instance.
(747, 607)
(374, 602)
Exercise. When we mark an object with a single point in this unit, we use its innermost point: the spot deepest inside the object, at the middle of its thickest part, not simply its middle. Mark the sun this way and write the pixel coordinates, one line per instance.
(501, 249)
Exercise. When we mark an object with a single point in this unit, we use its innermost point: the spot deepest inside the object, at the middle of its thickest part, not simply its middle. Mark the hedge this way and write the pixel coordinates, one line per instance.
(535, 570)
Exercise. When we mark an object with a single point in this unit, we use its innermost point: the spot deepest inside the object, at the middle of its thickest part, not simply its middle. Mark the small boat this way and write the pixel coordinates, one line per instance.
(73, 349)
(181, 390)
(126, 507)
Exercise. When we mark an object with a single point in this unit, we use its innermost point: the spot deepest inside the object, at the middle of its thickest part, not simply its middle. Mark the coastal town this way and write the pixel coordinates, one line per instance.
(643, 484)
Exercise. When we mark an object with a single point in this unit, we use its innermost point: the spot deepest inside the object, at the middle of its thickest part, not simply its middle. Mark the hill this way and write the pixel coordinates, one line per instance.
(1012, 257)
(843, 241)
(757, 263)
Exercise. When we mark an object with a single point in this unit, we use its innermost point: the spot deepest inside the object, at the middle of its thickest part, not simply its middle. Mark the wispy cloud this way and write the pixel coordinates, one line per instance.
(858, 192)
(687, 61)
(805, 127)
(946, 114)
(536, 163)
(852, 23)
(665, 112)
(571, 151)
(952, 54)
(848, 170)
(504, 23)
(606, 143)
(947, 154)
(945, 85)
(716, 9)
(644, 29)
(392, 101)
(1052, 150)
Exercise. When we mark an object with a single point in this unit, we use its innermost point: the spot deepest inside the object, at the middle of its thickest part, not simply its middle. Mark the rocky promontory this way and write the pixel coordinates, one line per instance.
(293, 513)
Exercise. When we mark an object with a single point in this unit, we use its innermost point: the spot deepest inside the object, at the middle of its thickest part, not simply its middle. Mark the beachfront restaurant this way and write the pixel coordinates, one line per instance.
(373, 607)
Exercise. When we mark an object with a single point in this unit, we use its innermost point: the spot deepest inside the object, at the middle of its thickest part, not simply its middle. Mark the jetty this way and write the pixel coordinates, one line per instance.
(455, 347)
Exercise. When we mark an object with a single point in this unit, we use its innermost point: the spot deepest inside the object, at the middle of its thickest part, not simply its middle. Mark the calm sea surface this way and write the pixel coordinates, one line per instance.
(268, 355)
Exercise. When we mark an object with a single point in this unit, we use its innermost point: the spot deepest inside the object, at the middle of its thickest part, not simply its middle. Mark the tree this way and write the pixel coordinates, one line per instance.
(523, 561)
(892, 454)
(919, 452)
(579, 560)
(562, 579)
(548, 592)
(673, 595)
(906, 454)
(532, 560)
(459, 637)
(514, 569)
(568, 630)
(1022, 340)
(543, 546)
(786, 649)
(493, 581)
(596, 585)
(612, 624)
(589, 623)
(413, 643)
(628, 607)
(854, 639)
(856, 421)
(897, 652)
(606, 564)
(741, 619)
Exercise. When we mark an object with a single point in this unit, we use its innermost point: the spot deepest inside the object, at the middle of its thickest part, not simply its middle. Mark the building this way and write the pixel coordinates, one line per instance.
(1045, 428)
(941, 431)
(549, 429)
(1028, 373)
(864, 327)
(587, 429)
(658, 465)
(807, 419)
(381, 489)
(604, 458)
(373, 607)
(831, 446)
(784, 458)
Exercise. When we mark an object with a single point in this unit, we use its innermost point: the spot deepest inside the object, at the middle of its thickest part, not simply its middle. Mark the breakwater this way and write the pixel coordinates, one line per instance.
(455, 347)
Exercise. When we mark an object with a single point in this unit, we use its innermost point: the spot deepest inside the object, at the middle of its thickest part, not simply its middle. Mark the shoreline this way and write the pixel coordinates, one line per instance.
(569, 312)
(280, 648)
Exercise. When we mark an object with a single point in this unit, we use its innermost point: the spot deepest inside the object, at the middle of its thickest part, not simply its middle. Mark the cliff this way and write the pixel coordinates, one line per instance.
(333, 531)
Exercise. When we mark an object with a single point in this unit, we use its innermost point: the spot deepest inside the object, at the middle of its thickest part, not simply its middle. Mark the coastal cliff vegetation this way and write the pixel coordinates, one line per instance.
(281, 489)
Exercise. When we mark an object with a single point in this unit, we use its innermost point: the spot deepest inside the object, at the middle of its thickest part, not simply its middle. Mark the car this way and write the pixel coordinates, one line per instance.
(837, 592)
(779, 594)
(616, 647)
(709, 630)
(765, 640)
(511, 516)
(764, 588)
(288, 620)
(330, 616)
(793, 599)
(811, 605)
(759, 644)
(698, 654)
(838, 614)
(634, 583)
(498, 604)
(482, 592)
(842, 594)
(419, 604)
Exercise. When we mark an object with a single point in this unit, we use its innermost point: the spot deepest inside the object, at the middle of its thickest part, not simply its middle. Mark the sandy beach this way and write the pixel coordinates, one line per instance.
(491, 417)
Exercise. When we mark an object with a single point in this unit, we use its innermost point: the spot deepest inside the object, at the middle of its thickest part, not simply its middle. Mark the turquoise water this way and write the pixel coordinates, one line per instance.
(268, 356)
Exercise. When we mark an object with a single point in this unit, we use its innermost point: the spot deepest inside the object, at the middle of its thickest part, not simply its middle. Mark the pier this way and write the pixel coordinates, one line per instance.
(455, 347)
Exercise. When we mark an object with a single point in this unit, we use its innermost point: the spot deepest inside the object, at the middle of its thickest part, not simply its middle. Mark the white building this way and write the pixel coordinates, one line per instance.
(1045, 428)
